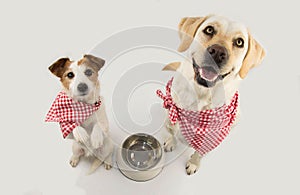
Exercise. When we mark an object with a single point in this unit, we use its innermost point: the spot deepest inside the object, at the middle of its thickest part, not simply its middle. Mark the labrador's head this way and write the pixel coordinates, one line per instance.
(218, 48)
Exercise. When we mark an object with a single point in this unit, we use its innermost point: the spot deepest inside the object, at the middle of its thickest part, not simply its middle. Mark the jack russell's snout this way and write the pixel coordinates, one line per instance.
(82, 87)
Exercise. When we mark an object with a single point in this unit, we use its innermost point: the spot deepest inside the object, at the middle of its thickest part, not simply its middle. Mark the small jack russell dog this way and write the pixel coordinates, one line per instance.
(80, 110)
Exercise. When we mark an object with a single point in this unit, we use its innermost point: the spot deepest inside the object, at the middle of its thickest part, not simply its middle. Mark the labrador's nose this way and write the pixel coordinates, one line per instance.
(219, 54)
(82, 87)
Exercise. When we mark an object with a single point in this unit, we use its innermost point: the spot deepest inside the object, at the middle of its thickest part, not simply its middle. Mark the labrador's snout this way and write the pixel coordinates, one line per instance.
(219, 54)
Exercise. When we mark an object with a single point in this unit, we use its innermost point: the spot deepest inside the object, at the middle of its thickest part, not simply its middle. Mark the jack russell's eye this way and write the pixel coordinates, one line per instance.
(209, 30)
(88, 72)
(70, 75)
(239, 42)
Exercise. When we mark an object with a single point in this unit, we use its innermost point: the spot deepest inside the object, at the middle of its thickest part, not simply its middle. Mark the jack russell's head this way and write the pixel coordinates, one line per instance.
(79, 78)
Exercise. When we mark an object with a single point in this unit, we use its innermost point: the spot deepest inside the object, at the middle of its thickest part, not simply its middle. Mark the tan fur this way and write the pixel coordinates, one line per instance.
(80, 62)
(94, 77)
(173, 66)
(65, 80)
(59, 67)
(225, 41)
(91, 138)
(92, 61)
(187, 29)
(187, 92)
(253, 57)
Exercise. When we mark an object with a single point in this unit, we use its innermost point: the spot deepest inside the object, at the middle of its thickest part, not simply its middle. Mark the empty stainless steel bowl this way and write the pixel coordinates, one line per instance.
(141, 157)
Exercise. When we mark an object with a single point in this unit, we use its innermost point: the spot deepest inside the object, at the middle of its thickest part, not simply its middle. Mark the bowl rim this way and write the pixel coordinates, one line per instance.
(126, 148)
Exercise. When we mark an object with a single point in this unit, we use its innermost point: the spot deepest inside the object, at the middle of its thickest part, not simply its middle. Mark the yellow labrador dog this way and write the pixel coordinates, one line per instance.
(220, 54)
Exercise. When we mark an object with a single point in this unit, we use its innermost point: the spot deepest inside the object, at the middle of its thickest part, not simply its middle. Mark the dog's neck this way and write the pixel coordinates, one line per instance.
(197, 97)
(218, 95)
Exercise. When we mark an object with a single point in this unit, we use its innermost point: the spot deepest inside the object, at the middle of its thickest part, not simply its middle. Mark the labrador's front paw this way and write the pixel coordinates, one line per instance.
(191, 167)
(193, 164)
(170, 144)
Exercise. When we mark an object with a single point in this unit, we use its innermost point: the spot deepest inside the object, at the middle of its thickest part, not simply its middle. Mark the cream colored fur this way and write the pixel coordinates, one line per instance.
(187, 93)
(92, 138)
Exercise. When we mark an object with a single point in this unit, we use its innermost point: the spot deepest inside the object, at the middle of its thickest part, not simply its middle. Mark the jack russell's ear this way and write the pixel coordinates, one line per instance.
(254, 56)
(93, 61)
(58, 67)
(187, 29)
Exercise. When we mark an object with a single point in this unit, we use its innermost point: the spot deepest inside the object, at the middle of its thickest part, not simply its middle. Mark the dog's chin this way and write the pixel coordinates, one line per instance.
(205, 82)
(81, 97)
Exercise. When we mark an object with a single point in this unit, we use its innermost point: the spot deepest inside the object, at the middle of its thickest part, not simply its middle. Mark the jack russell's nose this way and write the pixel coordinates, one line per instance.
(82, 87)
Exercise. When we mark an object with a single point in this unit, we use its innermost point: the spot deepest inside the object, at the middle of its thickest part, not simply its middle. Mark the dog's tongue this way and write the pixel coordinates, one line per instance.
(208, 73)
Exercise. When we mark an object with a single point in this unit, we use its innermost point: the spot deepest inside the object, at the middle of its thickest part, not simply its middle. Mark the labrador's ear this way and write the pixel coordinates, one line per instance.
(173, 66)
(93, 61)
(58, 68)
(187, 29)
(254, 56)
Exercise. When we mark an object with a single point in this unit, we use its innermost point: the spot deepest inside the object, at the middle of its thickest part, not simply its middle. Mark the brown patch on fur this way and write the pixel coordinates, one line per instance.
(65, 80)
(94, 76)
(59, 67)
(95, 63)
(80, 62)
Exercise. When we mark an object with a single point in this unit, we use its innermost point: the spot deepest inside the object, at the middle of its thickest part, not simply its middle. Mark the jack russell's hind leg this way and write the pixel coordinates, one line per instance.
(193, 163)
(171, 142)
(78, 151)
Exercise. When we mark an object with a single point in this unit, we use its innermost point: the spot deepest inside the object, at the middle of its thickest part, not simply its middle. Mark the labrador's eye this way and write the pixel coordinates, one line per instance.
(88, 72)
(239, 42)
(209, 30)
(70, 75)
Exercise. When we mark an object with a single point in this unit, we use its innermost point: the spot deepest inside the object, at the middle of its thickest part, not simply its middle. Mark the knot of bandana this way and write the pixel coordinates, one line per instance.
(169, 103)
(70, 113)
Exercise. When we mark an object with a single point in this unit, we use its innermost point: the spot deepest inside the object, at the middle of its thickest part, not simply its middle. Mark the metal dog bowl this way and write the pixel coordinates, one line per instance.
(141, 157)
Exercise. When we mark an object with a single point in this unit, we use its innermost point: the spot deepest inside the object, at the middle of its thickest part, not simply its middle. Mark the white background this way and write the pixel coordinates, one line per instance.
(261, 156)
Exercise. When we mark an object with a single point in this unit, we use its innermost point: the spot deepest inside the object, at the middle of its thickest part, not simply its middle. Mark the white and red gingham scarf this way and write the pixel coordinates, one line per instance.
(203, 130)
(70, 113)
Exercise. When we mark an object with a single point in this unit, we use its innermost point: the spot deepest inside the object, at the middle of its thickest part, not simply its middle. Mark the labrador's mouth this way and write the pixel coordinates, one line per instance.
(207, 75)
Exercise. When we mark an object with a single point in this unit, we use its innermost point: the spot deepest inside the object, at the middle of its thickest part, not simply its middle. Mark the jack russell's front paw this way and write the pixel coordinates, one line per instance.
(96, 139)
(170, 144)
(80, 135)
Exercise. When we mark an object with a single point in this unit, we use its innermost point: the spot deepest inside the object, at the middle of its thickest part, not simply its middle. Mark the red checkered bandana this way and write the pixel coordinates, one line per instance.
(70, 113)
(203, 130)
